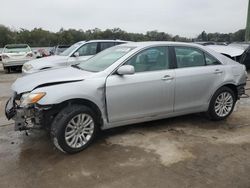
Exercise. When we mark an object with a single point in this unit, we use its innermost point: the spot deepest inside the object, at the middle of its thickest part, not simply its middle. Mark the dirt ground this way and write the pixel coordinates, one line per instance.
(187, 151)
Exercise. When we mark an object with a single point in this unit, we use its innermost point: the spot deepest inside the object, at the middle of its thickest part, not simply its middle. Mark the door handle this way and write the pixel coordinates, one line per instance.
(218, 71)
(167, 77)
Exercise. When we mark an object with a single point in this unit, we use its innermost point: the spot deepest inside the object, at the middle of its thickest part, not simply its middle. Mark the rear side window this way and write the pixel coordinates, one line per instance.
(152, 59)
(16, 48)
(105, 45)
(189, 57)
(211, 60)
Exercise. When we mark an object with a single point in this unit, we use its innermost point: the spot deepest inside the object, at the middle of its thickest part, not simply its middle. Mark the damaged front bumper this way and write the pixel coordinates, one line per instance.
(25, 118)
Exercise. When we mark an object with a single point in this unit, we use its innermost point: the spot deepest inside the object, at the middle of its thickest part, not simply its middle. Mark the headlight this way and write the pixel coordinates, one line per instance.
(31, 98)
(27, 67)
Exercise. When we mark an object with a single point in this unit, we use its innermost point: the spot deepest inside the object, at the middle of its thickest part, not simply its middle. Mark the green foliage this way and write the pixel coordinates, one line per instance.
(39, 37)
(238, 36)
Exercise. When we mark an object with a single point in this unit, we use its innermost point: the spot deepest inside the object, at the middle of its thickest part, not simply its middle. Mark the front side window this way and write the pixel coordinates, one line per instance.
(152, 59)
(88, 49)
(189, 57)
(71, 49)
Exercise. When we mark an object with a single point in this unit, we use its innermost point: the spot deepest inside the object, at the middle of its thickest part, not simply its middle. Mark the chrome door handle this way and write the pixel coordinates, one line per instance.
(167, 77)
(218, 71)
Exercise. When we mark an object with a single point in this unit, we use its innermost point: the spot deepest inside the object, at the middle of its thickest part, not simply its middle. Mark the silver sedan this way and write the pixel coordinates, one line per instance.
(126, 84)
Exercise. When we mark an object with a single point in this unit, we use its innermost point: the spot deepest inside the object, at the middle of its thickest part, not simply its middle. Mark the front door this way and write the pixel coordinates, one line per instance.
(148, 92)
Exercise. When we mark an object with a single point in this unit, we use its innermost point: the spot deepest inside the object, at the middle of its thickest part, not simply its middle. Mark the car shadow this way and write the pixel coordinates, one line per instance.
(170, 124)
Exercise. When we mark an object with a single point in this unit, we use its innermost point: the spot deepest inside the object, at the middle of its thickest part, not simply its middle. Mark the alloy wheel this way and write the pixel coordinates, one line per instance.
(224, 104)
(79, 130)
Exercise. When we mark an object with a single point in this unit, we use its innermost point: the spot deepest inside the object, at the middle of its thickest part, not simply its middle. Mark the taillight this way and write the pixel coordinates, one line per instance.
(29, 55)
(5, 57)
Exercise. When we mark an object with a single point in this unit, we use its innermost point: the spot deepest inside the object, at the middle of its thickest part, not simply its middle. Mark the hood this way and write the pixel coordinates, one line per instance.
(47, 61)
(50, 77)
(228, 50)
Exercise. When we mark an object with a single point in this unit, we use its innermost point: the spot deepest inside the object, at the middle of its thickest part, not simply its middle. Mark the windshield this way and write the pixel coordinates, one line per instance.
(72, 48)
(16, 49)
(104, 59)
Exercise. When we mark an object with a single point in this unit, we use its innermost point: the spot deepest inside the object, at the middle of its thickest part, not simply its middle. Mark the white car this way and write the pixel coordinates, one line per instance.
(15, 55)
(75, 54)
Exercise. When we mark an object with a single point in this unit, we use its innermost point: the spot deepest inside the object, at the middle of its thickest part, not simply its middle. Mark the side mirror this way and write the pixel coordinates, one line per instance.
(126, 70)
(76, 54)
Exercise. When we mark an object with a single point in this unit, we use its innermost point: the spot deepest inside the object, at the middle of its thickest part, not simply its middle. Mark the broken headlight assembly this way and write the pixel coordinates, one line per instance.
(31, 98)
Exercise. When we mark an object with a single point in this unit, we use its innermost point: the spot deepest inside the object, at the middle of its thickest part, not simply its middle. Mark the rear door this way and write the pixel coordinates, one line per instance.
(197, 76)
(148, 92)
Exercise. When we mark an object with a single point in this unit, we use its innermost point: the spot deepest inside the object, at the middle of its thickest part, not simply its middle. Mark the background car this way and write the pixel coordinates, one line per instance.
(232, 52)
(41, 52)
(15, 55)
(245, 58)
(241, 45)
(56, 50)
(76, 53)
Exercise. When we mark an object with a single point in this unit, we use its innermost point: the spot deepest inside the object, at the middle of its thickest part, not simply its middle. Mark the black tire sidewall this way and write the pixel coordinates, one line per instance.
(60, 122)
(211, 112)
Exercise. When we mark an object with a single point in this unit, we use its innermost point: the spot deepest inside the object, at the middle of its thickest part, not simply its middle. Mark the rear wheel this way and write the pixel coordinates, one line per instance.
(74, 128)
(222, 104)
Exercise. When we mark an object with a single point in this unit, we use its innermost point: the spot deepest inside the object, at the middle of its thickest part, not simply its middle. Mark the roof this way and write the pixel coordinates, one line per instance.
(151, 43)
(227, 50)
(103, 40)
(15, 45)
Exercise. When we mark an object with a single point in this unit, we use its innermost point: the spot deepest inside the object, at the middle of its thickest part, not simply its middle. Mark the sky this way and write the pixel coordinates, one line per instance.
(186, 18)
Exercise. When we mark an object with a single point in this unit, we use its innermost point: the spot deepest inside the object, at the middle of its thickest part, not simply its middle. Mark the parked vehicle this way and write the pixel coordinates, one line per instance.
(41, 52)
(56, 50)
(125, 84)
(232, 52)
(15, 55)
(241, 45)
(0, 57)
(75, 54)
(245, 58)
(206, 43)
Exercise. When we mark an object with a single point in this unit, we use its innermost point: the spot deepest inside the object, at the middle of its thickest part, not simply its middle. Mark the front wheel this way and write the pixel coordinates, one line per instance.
(7, 70)
(74, 128)
(221, 104)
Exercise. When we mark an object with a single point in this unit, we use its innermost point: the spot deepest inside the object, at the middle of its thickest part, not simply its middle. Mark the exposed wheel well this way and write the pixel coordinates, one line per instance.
(233, 88)
(56, 108)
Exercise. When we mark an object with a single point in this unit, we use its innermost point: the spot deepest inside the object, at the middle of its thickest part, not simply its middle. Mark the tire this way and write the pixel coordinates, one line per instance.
(65, 124)
(7, 70)
(222, 104)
